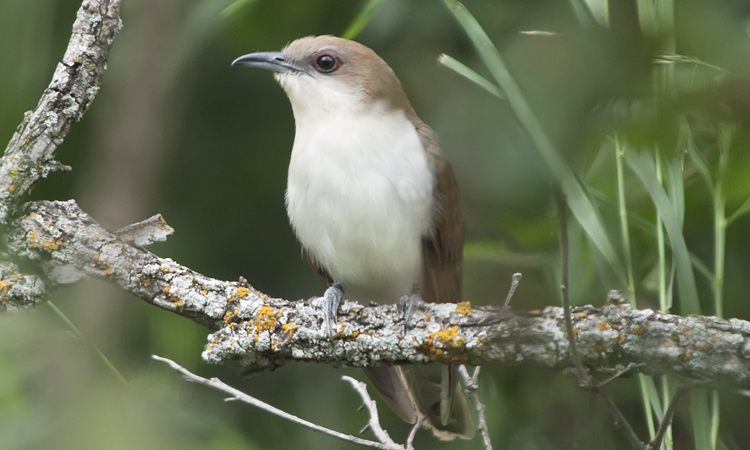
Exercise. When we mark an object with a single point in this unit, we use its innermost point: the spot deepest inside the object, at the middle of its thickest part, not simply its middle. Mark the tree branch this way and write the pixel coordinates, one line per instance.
(31, 151)
(264, 332)
(385, 444)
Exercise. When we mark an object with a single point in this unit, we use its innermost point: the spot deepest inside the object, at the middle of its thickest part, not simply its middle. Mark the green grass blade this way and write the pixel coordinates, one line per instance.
(461, 69)
(498, 252)
(643, 167)
(79, 335)
(739, 212)
(362, 19)
(676, 187)
(701, 267)
(235, 6)
(701, 419)
(696, 157)
(582, 12)
(653, 395)
(580, 204)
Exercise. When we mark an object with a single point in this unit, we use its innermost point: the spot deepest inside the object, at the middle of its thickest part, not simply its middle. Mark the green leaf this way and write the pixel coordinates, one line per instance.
(497, 252)
(697, 158)
(580, 204)
(362, 19)
(701, 419)
(643, 167)
(235, 6)
(470, 75)
(741, 211)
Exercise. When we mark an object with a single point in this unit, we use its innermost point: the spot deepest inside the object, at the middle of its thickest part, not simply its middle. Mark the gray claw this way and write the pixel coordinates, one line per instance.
(331, 300)
(407, 304)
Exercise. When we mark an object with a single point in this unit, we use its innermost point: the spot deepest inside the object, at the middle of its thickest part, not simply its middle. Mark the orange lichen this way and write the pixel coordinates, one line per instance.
(685, 329)
(11, 188)
(204, 291)
(603, 326)
(449, 338)
(426, 317)
(621, 338)
(581, 316)
(464, 308)
(600, 347)
(145, 281)
(52, 245)
(4, 288)
(704, 347)
(242, 292)
(685, 356)
(289, 329)
(266, 320)
(172, 298)
(668, 343)
(32, 238)
(638, 330)
(164, 268)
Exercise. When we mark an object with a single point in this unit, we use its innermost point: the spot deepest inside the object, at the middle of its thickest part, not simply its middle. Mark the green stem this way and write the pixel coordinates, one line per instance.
(79, 335)
(663, 305)
(624, 221)
(629, 268)
(720, 229)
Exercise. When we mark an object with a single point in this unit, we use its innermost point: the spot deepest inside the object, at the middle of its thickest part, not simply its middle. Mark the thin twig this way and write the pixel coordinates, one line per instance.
(472, 391)
(513, 286)
(413, 433)
(241, 396)
(562, 211)
(668, 415)
(372, 408)
(616, 375)
(620, 420)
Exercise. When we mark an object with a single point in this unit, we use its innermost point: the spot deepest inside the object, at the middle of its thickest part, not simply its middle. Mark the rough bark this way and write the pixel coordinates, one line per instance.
(31, 151)
(263, 332)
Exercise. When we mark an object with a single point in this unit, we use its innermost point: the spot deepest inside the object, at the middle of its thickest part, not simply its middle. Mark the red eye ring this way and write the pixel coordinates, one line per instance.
(326, 62)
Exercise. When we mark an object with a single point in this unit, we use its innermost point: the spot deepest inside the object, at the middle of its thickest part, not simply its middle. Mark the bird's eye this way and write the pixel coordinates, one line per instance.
(326, 63)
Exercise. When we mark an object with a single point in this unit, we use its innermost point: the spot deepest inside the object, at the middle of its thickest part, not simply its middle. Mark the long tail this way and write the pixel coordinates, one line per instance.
(430, 390)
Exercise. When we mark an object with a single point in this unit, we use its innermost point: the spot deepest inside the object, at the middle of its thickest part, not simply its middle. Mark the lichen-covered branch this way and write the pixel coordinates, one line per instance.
(263, 332)
(31, 151)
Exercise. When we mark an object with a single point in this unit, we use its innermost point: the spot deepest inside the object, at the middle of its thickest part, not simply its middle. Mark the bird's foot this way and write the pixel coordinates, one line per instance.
(331, 300)
(407, 303)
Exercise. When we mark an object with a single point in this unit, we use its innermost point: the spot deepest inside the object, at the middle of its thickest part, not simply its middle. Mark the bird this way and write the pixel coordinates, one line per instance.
(375, 205)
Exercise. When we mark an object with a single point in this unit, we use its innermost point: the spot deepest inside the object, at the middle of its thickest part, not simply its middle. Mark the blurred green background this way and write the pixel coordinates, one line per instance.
(176, 130)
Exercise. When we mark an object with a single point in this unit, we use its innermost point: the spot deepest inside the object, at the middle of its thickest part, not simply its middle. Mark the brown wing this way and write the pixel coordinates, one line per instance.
(442, 247)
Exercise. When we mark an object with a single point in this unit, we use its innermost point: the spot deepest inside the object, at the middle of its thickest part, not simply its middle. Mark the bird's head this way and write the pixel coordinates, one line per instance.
(327, 73)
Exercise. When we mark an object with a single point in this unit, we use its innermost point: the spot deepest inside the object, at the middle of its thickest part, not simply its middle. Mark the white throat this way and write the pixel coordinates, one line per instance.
(360, 196)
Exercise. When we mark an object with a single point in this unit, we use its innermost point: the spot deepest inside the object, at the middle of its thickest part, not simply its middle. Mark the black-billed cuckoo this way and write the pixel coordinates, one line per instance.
(374, 204)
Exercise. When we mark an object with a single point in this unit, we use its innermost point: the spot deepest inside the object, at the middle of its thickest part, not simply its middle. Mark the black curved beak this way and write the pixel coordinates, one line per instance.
(273, 61)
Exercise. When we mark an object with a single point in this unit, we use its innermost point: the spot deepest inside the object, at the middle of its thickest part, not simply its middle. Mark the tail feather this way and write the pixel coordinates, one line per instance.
(430, 390)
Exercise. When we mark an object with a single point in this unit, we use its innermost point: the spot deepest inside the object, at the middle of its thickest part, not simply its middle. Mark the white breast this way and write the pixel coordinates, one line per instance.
(359, 196)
